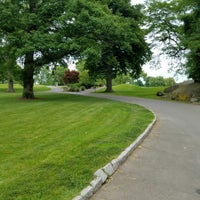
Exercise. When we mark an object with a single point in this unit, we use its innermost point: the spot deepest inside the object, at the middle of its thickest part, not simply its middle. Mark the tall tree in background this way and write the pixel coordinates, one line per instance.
(117, 44)
(176, 24)
(8, 66)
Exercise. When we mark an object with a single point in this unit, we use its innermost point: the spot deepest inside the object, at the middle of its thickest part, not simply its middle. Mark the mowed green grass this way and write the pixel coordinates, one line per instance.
(18, 88)
(50, 147)
(136, 91)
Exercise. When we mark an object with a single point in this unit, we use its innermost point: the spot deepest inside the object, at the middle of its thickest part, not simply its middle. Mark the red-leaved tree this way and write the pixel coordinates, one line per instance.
(71, 76)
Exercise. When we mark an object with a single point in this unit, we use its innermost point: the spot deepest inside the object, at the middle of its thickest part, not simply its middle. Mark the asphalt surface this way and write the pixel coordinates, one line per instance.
(167, 164)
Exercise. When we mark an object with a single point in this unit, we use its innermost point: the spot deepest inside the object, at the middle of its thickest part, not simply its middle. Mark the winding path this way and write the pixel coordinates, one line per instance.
(167, 164)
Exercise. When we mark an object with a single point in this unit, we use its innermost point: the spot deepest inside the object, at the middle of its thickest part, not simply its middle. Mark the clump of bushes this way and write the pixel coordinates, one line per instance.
(74, 88)
(180, 97)
(71, 77)
(77, 82)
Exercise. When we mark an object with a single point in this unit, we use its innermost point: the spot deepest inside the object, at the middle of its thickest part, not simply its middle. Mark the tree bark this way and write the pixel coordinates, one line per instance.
(10, 83)
(10, 86)
(28, 80)
(109, 80)
(109, 84)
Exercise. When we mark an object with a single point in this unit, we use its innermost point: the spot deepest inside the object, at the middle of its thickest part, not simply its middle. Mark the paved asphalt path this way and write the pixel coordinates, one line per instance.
(167, 164)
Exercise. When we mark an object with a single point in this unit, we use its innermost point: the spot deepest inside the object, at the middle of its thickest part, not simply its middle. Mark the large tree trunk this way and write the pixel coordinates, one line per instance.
(10, 83)
(28, 81)
(109, 85)
(10, 86)
(109, 80)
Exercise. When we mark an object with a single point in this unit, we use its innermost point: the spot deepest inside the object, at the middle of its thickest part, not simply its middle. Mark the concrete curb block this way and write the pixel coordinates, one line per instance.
(102, 174)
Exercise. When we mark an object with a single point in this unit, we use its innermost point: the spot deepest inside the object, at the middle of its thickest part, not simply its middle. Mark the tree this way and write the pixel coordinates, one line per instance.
(169, 81)
(44, 76)
(156, 81)
(43, 32)
(9, 70)
(191, 30)
(176, 24)
(122, 79)
(34, 30)
(58, 73)
(84, 78)
(71, 76)
(117, 44)
(2, 68)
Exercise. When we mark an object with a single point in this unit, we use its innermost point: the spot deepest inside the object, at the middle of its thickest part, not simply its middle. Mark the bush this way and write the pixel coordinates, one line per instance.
(180, 97)
(71, 76)
(74, 88)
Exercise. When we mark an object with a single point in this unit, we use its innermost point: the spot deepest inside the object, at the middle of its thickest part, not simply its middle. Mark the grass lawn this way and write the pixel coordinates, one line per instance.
(136, 91)
(50, 147)
(18, 88)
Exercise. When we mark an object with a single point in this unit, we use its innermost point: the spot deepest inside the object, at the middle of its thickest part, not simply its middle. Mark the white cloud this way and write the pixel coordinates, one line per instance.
(137, 1)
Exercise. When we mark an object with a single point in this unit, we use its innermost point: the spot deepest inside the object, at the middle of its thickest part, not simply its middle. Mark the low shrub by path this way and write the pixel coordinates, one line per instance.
(50, 147)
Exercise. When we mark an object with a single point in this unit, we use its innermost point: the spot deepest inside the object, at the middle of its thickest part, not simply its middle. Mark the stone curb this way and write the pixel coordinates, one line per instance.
(102, 174)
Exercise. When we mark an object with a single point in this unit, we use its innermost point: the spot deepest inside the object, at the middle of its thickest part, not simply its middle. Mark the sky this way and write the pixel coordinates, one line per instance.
(164, 64)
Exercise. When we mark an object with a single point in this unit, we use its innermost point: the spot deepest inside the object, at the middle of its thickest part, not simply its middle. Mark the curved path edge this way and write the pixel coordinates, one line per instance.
(104, 173)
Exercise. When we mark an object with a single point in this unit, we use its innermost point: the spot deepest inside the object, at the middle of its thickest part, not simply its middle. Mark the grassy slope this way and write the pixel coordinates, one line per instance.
(136, 91)
(50, 147)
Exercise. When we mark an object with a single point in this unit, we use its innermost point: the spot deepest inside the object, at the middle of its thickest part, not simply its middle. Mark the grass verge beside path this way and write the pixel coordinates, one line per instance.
(136, 91)
(18, 88)
(50, 147)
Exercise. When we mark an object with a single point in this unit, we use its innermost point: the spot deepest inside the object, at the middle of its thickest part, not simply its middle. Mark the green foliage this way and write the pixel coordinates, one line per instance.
(57, 74)
(76, 87)
(84, 77)
(32, 32)
(44, 77)
(169, 81)
(191, 30)
(3, 76)
(138, 82)
(41, 160)
(158, 81)
(112, 50)
(49, 76)
(122, 79)
(42, 32)
(176, 23)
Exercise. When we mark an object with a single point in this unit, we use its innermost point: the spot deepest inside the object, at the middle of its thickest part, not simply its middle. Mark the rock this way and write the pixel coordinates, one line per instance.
(159, 93)
(100, 173)
(108, 169)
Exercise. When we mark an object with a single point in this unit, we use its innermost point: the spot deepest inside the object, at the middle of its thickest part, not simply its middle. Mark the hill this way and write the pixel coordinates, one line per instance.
(186, 91)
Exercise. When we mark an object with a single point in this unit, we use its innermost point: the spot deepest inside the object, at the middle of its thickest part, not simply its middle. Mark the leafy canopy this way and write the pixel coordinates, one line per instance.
(106, 34)
(176, 24)
(116, 41)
